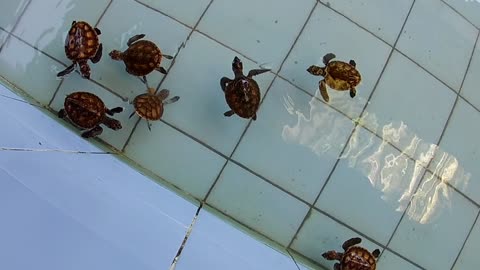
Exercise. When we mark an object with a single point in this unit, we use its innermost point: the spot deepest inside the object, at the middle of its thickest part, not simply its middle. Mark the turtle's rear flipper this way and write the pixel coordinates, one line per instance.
(161, 70)
(66, 71)
(353, 92)
(323, 90)
(115, 110)
(98, 55)
(229, 113)
(353, 63)
(92, 132)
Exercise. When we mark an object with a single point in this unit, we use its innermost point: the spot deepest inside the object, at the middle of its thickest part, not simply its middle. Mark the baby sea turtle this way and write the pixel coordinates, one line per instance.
(242, 93)
(82, 44)
(354, 258)
(141, 57)
(87, 111)
(149, 106)
(338, 75)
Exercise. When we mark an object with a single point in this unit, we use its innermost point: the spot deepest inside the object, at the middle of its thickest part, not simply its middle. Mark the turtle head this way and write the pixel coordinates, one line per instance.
(316, 70)
(237, 66)
(116, 55)
(84, 69)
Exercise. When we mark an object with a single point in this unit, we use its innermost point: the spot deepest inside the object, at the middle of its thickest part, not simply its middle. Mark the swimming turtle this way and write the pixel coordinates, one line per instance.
(338, 75)
(87, 111)
(242, 93)
(141, 57)
(82, 44)
(354, 257)
(149, 106)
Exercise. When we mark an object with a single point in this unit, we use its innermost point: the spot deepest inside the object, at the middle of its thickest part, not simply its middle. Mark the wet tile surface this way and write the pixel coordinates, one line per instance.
(470, 86)
(469, 9)
(186, 11)
(468, 259)
(11, 11)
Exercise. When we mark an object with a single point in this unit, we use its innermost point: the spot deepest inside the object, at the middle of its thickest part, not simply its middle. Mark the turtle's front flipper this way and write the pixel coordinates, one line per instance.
(328, 57)
(92, 132)
(351, 242)
(229, 113)
(167, 56)
(161, 70)
(376, 253)
(353, 92)
(171, 100)
(336, 266)
(352, 63)
(115, 110)
(254, 117)
(223, 82)
(98, 55)
(255, 72)
(323, 90)
(68, 70)
(61, 113)
(135, 38)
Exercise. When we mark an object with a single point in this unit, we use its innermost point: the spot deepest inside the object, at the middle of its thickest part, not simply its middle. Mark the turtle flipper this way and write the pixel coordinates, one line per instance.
(92, 132)
(336, 266)
(161, 70)
(171, 100)
(66, 71)
(61, 113)
(98, 55)
(167, 56)
(98, 31)
(114, 110)
(352, 62)
(223, 82)
(229, 113)
(323, 90)
(327, 57)
(254, 117)
(353, 92)
(351, 242)
(143, 79)
(376, 253)
(255, 72)
(134, 38)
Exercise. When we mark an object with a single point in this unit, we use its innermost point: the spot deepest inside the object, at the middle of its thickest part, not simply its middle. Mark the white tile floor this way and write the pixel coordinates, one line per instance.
(281, 175)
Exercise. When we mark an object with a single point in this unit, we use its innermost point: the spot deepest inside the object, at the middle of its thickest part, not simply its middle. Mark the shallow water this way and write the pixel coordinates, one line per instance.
(395, 165)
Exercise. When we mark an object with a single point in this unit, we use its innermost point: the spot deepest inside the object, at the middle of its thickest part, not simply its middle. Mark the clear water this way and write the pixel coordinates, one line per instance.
(396, 165)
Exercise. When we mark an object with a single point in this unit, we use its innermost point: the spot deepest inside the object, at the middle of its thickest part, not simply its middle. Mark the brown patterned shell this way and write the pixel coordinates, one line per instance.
(243, 96)
(148, 106)
(343, 75)
(358, 258)
(142, 57)
(85, 109)
(81, 42)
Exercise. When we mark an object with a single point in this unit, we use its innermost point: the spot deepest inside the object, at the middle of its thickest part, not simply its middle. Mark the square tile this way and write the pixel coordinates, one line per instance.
(186, 11)
(320, 234)
(116, 138)
(108, 199)
(457, 161)
(468, 8)
(45, 23)
(51, 239)
(18, 59)
(195, 77)
(431, 99)
(165, 32)
(295, 140)
(446, 217)
(30, 127)
(470, 85)
(438, 39)
(233, 249)
(383, 18)
(347, 41)
(263, 36)
(175, 157)
(468, 259)
(257, 204)
(380, 180)
(10, 13)
(391, 261)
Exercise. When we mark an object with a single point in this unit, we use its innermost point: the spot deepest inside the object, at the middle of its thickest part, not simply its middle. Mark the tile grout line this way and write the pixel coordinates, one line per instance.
(261, 102)
(356, 124)
(438, 143)
(183, 45)
(461, 15)
(10, 33)
(465, 242)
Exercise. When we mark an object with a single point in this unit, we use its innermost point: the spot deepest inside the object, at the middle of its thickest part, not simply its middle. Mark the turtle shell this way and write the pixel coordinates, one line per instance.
(81, 42)
(243, 96)
(148, 106)
(142, 57)
(342, 76)
(84, 109)
(358, 258)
